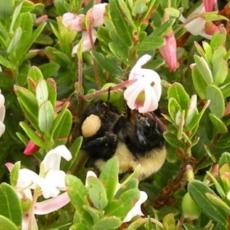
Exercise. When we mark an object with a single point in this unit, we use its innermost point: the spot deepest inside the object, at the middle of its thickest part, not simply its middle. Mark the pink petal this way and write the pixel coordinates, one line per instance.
(96, 14)
(73, 21)
(51, 205)
(9, 166)
(209, 5)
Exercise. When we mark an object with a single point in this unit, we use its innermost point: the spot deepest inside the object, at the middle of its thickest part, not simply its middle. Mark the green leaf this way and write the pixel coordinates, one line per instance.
(76, 191)
(169, 222)
(97, 192)
(50, 69)
(173, 108)
(42, 92)
(204, 69)
(123, 204)
(217, 103)
(119, 22)
(150, 43)
(15, 16)
(218, 202)
(6, 9)
(197, 190)
(31, 134)
(5, 62)
(218, 124)
(36, 33)
(62, 124)
(75, 150)
(52, 89)
(28, 103)
(10, 205)
(107, 223)
(35, 74)
(220, 71)
(14, 173)
(15, 41)
(93, 212)
(224, 159)
(107, 64)
(109, 177)
(213, 16)
(45, 116)
(189, 208)
(172, 139)
(178, 92)
(199, 83)
(218, 39)
(6, 223)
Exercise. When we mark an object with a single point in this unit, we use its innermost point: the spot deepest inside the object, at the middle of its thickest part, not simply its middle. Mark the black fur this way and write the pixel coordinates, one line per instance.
(138, 131)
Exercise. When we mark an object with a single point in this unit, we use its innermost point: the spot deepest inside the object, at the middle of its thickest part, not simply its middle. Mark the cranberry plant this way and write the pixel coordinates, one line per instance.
(170, 57)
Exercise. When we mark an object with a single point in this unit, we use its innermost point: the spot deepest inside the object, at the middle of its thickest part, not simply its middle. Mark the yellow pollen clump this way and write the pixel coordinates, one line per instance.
(91, 125)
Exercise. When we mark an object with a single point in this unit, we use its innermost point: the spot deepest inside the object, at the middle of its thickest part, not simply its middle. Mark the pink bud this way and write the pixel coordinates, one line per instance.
(30, 148)
(168, 51)
(96, 14)
(209, 5)
(73, 21)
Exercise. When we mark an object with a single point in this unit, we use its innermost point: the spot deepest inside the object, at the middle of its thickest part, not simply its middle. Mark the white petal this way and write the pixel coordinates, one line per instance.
(141, 61)
(2, 113)
(196, 26)
(132, 93)
(2, 128)
(53, 183)
(27, 179)
(2, 100)
(51, 205)
(52, 159)
(151, 102)
(136, 210)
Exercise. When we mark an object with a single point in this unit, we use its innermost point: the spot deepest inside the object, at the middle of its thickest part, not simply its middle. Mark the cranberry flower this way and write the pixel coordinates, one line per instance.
(2, 113)
(168, 51)
(51, 179)
(144, 94)
(197, 25)
(95, 18)
(73, 21)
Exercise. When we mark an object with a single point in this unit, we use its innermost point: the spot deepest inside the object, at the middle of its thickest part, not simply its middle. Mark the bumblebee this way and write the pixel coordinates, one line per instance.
(136, 139)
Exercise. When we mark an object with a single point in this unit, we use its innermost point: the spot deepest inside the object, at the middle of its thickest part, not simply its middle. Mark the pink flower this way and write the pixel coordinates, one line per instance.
(209, 5)
(30, 148)
(168, 51)
(96, 14)
(86, 43)
(73, 21)
(144, 94)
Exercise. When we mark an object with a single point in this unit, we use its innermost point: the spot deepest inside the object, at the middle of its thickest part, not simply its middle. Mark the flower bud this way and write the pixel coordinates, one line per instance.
(168, 51)
(30, 148)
